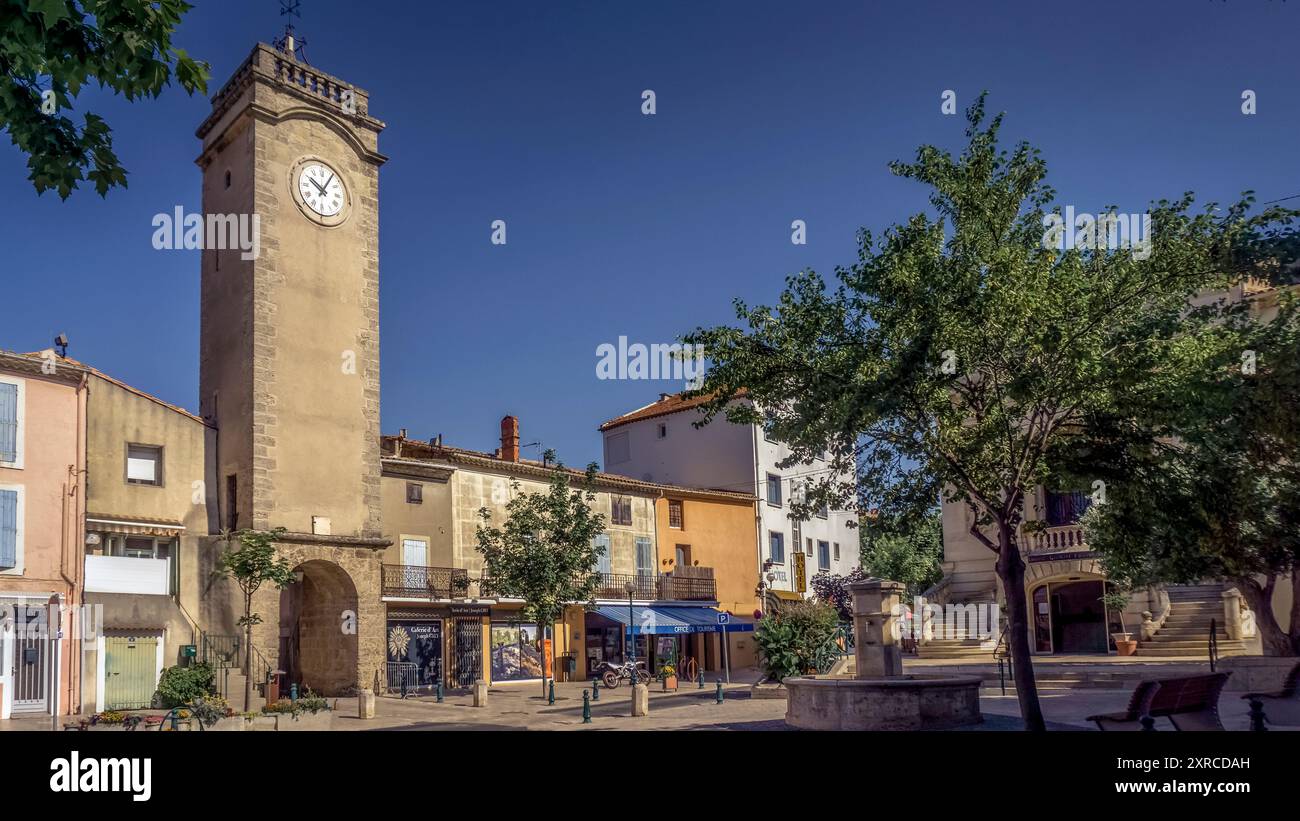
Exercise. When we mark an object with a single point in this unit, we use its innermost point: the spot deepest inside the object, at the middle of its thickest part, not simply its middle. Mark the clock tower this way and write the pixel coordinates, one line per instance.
(289, 356)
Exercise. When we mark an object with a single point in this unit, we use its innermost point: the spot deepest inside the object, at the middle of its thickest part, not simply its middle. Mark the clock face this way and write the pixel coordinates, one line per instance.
(321, 189)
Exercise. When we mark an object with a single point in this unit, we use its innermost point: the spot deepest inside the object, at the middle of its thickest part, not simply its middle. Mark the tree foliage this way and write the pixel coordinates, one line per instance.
(961, 345)
(545, 551)
(1201, 466)
(833, 589)
(51, 50)
(797, 640)
(255, 563)
(908, 552)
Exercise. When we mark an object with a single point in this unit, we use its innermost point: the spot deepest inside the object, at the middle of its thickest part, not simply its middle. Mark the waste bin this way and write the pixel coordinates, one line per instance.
(569, 664)
(274, 681)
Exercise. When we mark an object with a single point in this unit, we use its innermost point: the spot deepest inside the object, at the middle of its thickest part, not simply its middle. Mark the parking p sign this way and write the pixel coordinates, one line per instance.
(723, 618)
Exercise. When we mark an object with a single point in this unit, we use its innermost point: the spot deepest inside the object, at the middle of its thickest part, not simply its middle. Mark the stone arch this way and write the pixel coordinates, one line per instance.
(316, 650)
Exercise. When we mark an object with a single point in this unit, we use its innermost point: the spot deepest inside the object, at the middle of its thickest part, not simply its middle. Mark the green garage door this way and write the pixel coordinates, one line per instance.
(130, 671)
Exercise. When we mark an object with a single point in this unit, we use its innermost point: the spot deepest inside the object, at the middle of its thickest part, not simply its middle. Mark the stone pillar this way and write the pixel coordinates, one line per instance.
(1232, 613)
(876, 648)
(480, 693)
(640, 700)
(366, 704)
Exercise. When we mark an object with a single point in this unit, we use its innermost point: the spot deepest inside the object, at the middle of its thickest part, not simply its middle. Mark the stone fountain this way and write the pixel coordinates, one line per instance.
(878, 696)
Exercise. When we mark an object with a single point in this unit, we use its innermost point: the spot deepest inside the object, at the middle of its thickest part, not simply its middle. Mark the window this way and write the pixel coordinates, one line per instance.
(144, 465)
(414, 493)
(682, 556)
(776, 546)
(227, 179)
(663, 430)
(823, 555)
(616, 449)
(415, 552)
(11, 423)
(601, 543)
(837, 551)
(773, 489)
(675, 513)
(823, 512)
(769, 423)
(232, 502)
(11, 529)
(620, 510)
(1066, 507)
(645, 556)
(808, 547)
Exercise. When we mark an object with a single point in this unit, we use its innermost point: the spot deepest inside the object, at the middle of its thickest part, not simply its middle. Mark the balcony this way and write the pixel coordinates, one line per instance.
(661, 587)
(124, 574)
(407, 581)
(1055, 539)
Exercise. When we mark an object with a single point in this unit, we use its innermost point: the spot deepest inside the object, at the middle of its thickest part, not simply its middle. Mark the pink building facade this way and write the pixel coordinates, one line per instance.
(42, 510)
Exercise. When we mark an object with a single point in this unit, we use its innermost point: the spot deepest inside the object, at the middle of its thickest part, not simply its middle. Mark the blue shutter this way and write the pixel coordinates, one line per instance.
(645, 559)
(603, 564)
(8, 529)
(8, 422)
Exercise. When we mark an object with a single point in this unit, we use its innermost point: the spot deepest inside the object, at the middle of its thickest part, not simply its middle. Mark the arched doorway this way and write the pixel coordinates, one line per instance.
(318, 639)
(1070, 617)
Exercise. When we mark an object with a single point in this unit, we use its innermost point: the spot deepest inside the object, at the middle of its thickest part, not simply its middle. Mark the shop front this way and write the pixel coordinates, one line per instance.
(689, 637)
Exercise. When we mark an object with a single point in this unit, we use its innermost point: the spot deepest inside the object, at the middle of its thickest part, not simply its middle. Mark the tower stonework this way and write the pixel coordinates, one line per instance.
(289, 355)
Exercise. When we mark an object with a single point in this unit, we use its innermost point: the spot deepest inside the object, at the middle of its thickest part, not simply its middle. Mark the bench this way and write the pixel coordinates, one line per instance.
(1283, 706)
(1189, 702)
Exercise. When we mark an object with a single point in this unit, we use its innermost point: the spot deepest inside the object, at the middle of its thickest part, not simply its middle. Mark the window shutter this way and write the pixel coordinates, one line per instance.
(8, 529)
(645, 559)
(603, 564)
(8, 422)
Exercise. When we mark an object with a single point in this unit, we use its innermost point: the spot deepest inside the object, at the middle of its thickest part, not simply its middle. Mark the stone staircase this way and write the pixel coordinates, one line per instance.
(230, 684)
(1186, 631)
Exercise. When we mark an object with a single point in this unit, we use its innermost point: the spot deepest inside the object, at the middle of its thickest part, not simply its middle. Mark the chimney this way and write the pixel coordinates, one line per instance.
(510, 439)
(664, 397)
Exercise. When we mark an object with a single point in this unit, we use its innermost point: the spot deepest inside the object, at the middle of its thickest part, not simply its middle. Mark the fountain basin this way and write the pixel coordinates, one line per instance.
(887, 703)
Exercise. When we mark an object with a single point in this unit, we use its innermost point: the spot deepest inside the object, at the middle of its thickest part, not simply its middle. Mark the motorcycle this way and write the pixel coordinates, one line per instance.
(612, 674)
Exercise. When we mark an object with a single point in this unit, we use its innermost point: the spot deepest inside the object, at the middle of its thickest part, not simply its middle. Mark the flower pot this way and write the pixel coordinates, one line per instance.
(1125, 647)
(670, 683)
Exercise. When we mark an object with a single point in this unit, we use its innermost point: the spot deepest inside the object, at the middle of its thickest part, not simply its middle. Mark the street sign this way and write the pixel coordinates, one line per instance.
(723, 618)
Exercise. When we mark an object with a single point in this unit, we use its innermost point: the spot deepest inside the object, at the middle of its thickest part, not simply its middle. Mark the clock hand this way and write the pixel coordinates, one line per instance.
(318, 186)
(327, 183)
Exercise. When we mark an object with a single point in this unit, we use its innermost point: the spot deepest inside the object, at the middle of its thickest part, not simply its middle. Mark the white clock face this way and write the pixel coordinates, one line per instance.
(321, 189)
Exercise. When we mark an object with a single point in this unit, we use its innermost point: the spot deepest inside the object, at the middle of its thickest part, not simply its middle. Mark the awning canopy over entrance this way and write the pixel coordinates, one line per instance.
(664, 620)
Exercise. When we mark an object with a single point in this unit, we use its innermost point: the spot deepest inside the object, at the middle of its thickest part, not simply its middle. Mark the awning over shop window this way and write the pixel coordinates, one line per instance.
(134, 527)
(786, 595)
(662, 620)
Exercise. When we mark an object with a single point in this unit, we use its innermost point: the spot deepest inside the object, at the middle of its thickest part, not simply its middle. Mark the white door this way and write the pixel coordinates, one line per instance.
(415, 552)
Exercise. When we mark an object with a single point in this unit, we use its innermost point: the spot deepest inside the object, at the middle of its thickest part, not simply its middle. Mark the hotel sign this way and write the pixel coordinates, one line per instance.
(1063, 555)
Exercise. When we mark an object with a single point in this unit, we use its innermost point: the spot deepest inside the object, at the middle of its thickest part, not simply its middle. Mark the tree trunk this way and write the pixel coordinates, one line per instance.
(1295, 610)
(248, 654)
(1274, 641)
(1011, 571)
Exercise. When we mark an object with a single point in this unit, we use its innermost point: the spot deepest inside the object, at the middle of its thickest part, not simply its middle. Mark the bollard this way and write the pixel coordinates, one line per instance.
(586, 707)
(366, 704)
(718, 694)
(293, 691)
(1257, 716)
(1148, 724)
(550, 693)
(700, 680)
(438, 692)
(595, 689)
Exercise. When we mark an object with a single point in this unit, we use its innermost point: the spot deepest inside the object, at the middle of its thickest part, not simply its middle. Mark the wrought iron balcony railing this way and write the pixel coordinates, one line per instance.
(410, 581)
(645, 587)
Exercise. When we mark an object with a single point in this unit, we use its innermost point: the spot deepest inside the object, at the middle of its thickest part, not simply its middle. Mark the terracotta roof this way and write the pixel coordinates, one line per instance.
(415, 449)
(673, 403)
(38, 355)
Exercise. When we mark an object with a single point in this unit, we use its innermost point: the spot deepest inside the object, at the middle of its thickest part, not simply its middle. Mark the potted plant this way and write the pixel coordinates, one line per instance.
(1117, 600)
(668, 675)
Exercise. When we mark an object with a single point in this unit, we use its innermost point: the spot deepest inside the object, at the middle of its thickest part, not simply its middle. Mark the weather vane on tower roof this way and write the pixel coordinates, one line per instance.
(291, 43)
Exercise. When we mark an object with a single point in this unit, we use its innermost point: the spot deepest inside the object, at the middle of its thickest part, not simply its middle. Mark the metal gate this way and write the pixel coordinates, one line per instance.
(130, 671)
(31, 662)
(467, 658)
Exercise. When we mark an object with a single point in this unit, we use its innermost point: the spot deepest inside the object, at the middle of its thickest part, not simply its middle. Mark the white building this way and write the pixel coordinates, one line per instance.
(660, 443)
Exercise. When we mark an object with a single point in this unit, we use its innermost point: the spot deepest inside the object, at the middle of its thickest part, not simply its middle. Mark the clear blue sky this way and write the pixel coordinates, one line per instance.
(622, 224)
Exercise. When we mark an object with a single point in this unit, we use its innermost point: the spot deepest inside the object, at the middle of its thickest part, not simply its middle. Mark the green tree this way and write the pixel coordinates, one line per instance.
(545, 551)
(911, 552)
(255, 563)
(52, 49)
(1201, 465)
(963, 344)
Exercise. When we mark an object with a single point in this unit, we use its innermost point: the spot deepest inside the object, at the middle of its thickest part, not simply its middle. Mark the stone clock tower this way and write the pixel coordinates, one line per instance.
(289, 357)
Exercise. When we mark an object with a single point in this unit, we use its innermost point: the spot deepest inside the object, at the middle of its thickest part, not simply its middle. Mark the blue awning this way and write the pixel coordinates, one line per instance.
(668, 620)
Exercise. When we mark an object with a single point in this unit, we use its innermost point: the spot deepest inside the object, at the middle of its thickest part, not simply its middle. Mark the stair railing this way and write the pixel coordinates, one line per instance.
(1214, 645)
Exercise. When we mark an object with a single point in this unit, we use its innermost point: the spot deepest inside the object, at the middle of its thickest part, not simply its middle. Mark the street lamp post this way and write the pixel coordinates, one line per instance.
(630, 589)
